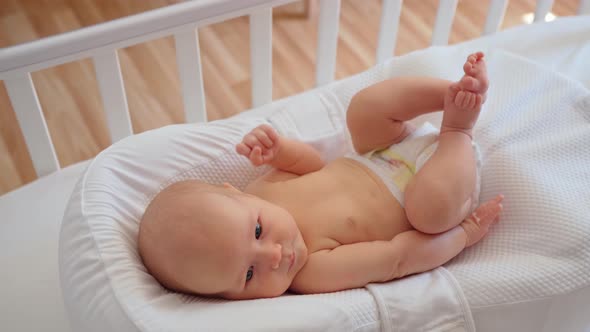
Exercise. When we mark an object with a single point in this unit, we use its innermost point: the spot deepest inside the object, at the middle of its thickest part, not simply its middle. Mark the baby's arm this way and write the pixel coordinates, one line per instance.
(264, 146)
(356, 265)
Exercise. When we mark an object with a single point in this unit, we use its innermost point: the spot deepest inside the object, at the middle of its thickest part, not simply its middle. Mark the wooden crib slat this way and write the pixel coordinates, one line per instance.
(444, 22)
(112, 90)
(584, 7)
(327, 41)
(495, 16)
(261, 56)
(390, 14)
(188, 58)
(25, 102)
(543, 7)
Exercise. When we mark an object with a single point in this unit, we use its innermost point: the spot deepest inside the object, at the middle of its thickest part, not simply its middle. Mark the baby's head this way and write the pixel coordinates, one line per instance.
(217, 241)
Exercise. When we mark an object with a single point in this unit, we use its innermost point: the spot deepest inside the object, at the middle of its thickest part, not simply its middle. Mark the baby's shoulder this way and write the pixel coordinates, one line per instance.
(269, 182)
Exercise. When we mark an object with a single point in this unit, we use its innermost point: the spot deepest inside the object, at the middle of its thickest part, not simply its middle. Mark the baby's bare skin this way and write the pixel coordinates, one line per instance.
(312, 227)
(342, 203)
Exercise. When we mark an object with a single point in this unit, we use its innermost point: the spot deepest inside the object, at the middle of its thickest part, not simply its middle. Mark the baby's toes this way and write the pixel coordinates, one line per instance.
(468, 67)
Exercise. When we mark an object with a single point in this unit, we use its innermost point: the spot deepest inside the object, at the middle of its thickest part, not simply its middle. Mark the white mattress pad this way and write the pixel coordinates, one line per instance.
(562, 45)
(532, 134)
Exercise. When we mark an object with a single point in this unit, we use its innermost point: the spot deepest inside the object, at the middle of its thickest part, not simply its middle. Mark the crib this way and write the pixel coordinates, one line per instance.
(32, 297)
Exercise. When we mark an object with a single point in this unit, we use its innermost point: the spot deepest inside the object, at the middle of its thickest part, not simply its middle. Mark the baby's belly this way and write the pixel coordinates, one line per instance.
(348, 204)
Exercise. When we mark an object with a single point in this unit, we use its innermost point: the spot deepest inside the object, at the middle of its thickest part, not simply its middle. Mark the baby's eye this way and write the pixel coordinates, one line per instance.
(249, 273)
(258, 231)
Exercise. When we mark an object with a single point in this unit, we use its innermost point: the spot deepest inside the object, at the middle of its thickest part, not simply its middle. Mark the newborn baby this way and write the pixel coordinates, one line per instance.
(406, 203)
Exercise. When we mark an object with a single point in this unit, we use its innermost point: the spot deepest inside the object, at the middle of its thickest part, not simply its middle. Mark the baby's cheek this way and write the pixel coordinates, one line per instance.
(275, 287)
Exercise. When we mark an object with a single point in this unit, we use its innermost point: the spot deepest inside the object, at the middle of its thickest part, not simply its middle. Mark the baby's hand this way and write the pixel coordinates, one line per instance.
(476, 226)
(260, 145)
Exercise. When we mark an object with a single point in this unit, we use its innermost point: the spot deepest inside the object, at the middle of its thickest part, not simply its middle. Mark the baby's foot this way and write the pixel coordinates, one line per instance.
(464, 98)
(476, 226)
(476, 76)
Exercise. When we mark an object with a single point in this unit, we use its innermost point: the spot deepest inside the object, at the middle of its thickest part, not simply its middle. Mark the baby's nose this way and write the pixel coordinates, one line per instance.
(274, 255)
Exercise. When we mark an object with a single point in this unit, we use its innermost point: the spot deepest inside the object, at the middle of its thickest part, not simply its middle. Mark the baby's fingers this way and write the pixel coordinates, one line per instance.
(243, 149)
(256, 156)
(270, 132)
(263, 137)
(250, 140)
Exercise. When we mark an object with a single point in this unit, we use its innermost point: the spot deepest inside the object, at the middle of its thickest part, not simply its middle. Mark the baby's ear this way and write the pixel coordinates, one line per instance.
(230, 187)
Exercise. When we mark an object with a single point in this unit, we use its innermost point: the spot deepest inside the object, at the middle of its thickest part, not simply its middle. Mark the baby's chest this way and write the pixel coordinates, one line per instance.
(348, 220)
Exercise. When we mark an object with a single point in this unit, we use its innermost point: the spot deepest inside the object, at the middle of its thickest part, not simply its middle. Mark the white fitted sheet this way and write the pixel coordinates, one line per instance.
(31, 298)
(30, 295)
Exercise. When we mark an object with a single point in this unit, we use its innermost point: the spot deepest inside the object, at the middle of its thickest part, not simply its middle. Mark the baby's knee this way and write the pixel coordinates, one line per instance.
(354, 115)
(429, 209)
(356, 121)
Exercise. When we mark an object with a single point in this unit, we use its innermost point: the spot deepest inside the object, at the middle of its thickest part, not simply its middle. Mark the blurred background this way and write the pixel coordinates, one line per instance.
(70, 98)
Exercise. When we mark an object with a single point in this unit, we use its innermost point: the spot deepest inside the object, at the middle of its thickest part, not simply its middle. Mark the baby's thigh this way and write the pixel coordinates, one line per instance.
(373, 132)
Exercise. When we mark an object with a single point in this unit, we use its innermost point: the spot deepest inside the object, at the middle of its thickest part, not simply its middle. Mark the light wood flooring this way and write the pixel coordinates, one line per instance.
(69, 93)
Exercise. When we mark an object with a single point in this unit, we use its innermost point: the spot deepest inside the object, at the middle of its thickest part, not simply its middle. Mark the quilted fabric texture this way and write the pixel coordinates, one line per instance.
(99, 262)
(534, 135)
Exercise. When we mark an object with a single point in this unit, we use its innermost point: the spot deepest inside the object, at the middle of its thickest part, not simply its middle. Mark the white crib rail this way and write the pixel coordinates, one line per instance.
(327, 41)
(28, 111)
(108, 74)
(101, 42)
(390, 13)
(495, 16)
(188, 56)
(182, 20)
(543, 7)
(261, 56)
(444, 22)
(584, 7)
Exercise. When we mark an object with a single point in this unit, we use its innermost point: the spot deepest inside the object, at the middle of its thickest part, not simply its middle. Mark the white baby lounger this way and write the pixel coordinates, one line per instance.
(531, 274)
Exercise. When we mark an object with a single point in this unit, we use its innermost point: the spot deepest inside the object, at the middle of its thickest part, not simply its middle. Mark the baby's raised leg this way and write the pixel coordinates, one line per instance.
(423, 252)
(376, 115)
(439, 196)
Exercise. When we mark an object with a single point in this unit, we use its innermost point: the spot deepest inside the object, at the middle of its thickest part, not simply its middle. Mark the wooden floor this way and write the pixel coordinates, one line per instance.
(69, 93)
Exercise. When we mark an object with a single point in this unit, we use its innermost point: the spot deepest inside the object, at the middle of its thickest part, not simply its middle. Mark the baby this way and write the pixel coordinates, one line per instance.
(403, 205)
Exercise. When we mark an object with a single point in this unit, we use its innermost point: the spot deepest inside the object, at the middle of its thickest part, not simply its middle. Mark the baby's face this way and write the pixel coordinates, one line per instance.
(254, 249)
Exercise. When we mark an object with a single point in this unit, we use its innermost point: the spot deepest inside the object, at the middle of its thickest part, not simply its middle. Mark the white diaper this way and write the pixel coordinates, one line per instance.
(397, 164)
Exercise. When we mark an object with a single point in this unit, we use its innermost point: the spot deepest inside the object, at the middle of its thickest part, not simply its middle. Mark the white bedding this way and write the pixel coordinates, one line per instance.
(31, 298)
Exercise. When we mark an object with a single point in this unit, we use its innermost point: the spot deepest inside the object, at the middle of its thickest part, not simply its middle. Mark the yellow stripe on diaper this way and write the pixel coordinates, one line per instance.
(402, 178)
(397, 168)
(389, 155)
